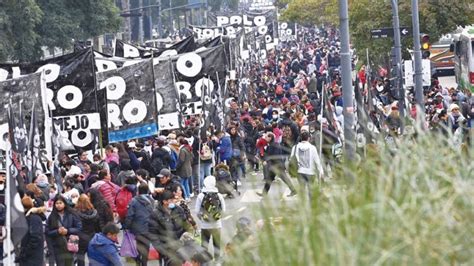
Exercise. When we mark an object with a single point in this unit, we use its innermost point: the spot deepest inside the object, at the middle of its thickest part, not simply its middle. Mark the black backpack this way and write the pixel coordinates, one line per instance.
(156, 166)
(211, 207)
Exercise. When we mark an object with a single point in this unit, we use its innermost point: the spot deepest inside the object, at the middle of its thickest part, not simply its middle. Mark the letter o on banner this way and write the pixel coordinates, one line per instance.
(283, 26)
(51, 72)
(159, 101)
(259, 21)
(189, 64)
(262, 30)
(82, 137)
(115, 87)
(268, 39)
(69, 103)
(134, 111)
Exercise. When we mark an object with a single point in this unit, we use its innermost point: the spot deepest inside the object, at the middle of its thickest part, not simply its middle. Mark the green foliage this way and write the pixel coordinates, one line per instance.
(412, 208)
(27, 25)
(437, 17)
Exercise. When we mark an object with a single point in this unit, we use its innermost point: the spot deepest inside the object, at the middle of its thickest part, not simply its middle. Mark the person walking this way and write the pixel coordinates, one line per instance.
(184, 168)
(308, 162)
(209, 206)
(138, 215)
(32, 244)
(274, 165)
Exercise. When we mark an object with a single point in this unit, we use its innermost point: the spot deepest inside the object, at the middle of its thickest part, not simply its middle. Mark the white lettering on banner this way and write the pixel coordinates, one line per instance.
(49, 99)
(115, 87)
(81, 138)
(51, 72)
(203, 83)
(80, 127)
(191, 108)
(104, 65)
(114, 115)
(4, 136)
(167, 53)
(283, 26)
(184, 88)
(130, 51)
(189, 64)
(241, 20)
(69, 102)
(134, 111)
(3, 74)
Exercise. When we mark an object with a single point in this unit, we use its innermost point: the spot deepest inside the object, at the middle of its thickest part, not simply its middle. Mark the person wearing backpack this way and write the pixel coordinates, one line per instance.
(138, 216)
(210, 206)
(125, 196)
(160, 158)
(205, 155)
(107, 188)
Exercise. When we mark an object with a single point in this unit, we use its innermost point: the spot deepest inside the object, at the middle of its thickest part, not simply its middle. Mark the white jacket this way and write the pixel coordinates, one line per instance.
(209, 186)
(308, 158)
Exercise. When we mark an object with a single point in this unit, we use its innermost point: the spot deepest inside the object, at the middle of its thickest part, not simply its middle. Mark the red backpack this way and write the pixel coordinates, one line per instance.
(122, 199)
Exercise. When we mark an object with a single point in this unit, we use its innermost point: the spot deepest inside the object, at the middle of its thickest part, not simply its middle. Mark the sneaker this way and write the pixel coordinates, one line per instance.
(239, 184)
(191, 195)
(293, 193)
(260, 194)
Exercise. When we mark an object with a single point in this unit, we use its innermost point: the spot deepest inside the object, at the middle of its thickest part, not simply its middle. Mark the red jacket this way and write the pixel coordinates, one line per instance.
(109, 190)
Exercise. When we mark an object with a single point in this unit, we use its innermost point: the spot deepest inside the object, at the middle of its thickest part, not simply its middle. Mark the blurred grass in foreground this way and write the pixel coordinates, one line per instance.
(412, 208)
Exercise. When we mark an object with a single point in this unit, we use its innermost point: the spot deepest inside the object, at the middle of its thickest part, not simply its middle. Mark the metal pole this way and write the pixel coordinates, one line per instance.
(398, 58)
(417, 58)
(171, 19)
(349, 135)
(207, 10)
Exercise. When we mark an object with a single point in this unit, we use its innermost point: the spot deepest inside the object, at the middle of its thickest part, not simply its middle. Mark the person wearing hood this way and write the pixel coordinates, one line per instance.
(90, 226)
(339, 116)
(224, 148)
(138, 216)
(309, 163)
(210, 228)
(32, 243)
(102, 250)
(42, 182)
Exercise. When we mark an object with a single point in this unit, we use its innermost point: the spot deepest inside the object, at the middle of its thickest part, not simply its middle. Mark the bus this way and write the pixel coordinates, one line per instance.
(441, 56)
(464, 58)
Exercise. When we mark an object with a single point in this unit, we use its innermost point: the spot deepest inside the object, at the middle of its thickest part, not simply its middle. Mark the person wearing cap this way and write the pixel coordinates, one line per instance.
(165, 182)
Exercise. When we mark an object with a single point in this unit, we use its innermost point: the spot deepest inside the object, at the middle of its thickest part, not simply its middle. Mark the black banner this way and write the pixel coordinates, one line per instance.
(21, 93)
(287, 31)
(199, 72)
(131, 101)
(71, 94)
(166, 96)
(130, 51)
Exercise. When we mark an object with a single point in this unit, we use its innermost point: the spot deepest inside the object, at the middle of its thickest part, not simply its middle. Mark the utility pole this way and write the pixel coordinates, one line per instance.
(398, 59)
(346, 69)
(417, 58)
(171, 20)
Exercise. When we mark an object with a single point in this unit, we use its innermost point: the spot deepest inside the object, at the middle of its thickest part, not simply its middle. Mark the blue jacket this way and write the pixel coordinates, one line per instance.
(225, 148)
(103, 252)
(138, 214)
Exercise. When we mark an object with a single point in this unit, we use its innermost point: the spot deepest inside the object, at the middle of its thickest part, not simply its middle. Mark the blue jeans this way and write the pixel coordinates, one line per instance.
(185, 185)
(204, 172)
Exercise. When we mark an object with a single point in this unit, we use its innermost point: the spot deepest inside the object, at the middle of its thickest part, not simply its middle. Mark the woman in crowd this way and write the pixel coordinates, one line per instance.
(32, 244)
(90, 225)
(102, 206)
(61, 224)
(184, 168)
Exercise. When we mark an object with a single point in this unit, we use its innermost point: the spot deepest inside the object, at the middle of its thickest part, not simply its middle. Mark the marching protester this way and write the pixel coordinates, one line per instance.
(90, 226)
(102, 250)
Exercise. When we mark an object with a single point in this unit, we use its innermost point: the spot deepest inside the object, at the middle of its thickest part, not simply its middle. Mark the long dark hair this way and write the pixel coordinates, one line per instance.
(54, 216)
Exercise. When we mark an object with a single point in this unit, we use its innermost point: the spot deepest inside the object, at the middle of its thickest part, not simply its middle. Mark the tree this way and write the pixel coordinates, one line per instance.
(437, 17)
(26, 26)
(18, 38)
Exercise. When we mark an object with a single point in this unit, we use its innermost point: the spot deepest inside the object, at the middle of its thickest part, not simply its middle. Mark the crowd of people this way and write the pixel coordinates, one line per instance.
(289, 124)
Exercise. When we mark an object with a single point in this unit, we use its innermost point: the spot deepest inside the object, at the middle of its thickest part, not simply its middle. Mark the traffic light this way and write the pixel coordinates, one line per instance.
(425, 46)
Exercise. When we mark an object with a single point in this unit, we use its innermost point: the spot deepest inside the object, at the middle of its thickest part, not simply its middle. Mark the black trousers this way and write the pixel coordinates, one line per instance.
(216, 240)
(270, 172)
(143, 247)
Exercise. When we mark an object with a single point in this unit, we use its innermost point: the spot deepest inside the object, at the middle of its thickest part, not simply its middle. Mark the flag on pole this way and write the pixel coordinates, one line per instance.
(16, 216)
(57, 153)
(34, 146)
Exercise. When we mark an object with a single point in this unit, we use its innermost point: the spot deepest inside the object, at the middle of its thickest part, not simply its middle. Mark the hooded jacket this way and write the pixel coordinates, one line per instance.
(209, 187)
(90, 226)
(138, 214)
(225, 148)
(103, 252)
(308, 158)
